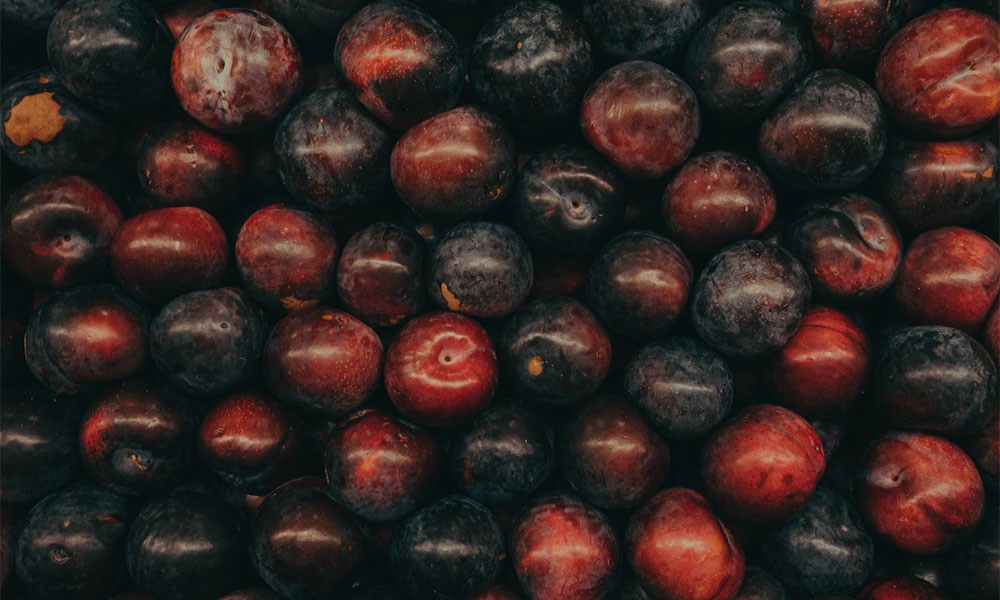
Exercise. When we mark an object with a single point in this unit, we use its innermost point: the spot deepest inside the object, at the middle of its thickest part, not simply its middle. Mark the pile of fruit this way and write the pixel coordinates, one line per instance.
(496, 300)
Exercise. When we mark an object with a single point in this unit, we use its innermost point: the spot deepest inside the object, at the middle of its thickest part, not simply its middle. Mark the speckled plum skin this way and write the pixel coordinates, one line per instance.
(850, 246)
(655, 30)
(919, 492)
(454, 165)
(827, 135)
(824, 549)
(379, 467)
(850, 34)
(331, 154)
(682, 386)
(531, 64)
(680, 550)
(562, 548)
(746, 58)
(403, 66)
(934, 379)
(750, 299)
(642, 117)
(715, 199)
(240, 96)
(950, 276)
(323, 361)
(940, 74)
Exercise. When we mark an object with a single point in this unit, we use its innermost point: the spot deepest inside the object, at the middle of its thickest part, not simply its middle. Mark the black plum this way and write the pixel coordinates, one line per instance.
(654, 30)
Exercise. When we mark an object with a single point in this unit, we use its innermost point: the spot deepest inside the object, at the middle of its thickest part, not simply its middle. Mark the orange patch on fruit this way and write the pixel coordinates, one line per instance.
(535, 366)
(453, 302)
(35, 117)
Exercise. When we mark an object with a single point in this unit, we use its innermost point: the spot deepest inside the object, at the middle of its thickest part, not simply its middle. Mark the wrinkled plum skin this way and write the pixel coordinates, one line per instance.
(850, 246)
(746, 59)
(57, 230)
(86, 336)
(829, 134)
(555, 351)
(934, 379)
(207, 343)
(750, 299)
(642, 117)
(824, 366)
(449, 550)
(287, 276)
(919, 492)
(455, 165)
(611, 455)
(974, 566)
(715, 199)
(380, 277)
(758, 584)
(927, 184)
(187, 545)
(323, 361)
(302, 543)
(139, 438)
(183, 163)
(850, 34)
(683, 387)
(949, 276)
(655, 30)
(940, 74)
(92, 48)
(162, 253)
(568, 200)
(504, 455)
(331, 154)
(481, 269)
(48, 130)
(531, 64)
(73, 544)
(899, 587)
(824, 549)
(379, 467)
(38, 444)
(639, 284)
(678, 548)
(562, 548)
(402, 65)
(222, 97)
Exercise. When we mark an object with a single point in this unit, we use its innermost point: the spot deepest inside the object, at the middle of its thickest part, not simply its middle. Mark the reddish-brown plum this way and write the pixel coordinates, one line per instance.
(824, 366)
(639, 284)
(454, 165)
(562, 548)
(940, 74)
(235, 69)
(654, 30)
(611, 455)
(379, 467)
(680, 550)
(715, 199)
(38, 445)
(251, 441)
(849, 34)
(949, 276)
(899, 587)
(163, 253)
(380, 277)
(86, 336)
(850, 246)
(641, 117)
(57, 230)
(919, 492)
(323, 361)
(441, 369)
(284, 275)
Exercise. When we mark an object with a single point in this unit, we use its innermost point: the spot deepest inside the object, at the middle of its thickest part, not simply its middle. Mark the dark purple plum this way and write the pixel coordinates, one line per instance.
(750, 299)
(829, 134)
(531, 64)
(448, 550)
(331, 153)
(746, 58)
(974, 568)
(30, 17)
(92, 46)
(568, 200)
(480, 269)
(555, 351)
(311, 21)
(656, 30)
(73, 545)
